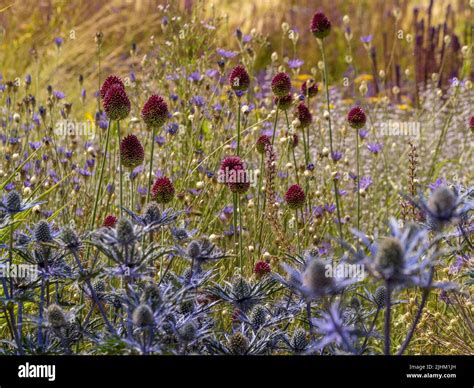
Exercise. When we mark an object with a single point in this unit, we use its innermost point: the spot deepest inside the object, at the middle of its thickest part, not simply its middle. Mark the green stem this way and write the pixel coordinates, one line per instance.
(150, 170)
(238, 126)
(358, 179)
(275, 126)
(120, 170)
(326, 84)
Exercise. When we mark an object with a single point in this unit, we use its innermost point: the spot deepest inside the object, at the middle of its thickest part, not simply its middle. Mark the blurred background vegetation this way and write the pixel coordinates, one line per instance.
(28, 29)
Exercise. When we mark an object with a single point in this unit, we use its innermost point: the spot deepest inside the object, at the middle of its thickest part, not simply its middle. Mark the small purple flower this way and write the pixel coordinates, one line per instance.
(336, 155)
(439, 182)
(375, 148)
(58, 41)
(366, 39)
(295, 63)
(226, 54)
(59, 95)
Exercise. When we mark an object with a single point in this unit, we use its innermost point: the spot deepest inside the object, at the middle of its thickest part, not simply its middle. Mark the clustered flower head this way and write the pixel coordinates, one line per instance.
(320, 25)
(239, 79)
(303, 115)
(442, 205)
(116, 103)
(281, 85)
(109, 221)
(471, 123)
(132, 153)
(162, 190)
(356, 117)
(284, 103)
(261, 268)
(109, 81)
(235, 174)
(390, 258)
(295, 197)
(262, 141)
(309, 88)
(155, 111)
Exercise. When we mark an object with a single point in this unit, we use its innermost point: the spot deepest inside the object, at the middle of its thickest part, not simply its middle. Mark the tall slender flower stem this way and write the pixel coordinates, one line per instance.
(238, 126)
(297, 231)
(388, 309)
(275, 125)
(326, 84)
(259, 189)
(234, 205)
(150, 170)
(292, 148)
(424, 299)
(240, 236)
(120, 170)
(358, 179)
(101, 175)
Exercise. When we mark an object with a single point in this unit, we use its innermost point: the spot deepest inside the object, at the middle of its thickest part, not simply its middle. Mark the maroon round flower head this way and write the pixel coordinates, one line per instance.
(295, 197)
(232, 172)
(320, 25)
(303, 115)
(471, 123)
(162, 190)
(261, 268)
(284, 103)
(294, 139)
(309, 88)
(155, 111)
(356, 117)
(132, 153)
(116, 103)
(281, 85)
(239, 79)
(262, 141)
(109, 221)
(109, 81)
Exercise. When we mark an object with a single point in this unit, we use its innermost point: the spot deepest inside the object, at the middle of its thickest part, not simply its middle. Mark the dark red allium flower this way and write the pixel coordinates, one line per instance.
(239, 79)
(109, 81)
(295, 197)
(262, 141)
(303, 115)
(116, 103)
(132, 153)
(309, 88)
(162, 190)
(155, 111)
(261, 268)
(109, 221)
(281, 85)
(356, 117)
(284, 103)
(232, 172)
(320, 25)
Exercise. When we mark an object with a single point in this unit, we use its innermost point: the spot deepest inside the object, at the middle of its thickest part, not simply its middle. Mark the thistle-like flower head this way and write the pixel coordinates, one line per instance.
(132, 153)
(356, 117)
(320, 25)
(295, 197)
(162, 190)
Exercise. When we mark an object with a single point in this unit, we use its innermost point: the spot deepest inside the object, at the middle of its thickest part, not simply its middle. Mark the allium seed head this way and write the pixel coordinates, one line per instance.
(303, 115)
(132, 153)
(320, 25)
(56, 316)
(356, 118)
(116, 103)
(142, 316)
(239, 79)
(13, 201)
(238, 343)
(314, 277)
(162, 190)
(155, 111)
(42, 232)
(284, 103)
(109, 221)
(262, 141)
(281, 85)
(261, 268)
(109, 81)
(295, 197)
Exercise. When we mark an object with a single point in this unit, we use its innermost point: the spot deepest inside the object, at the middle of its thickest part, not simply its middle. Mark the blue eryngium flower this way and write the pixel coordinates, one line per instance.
(13, 203)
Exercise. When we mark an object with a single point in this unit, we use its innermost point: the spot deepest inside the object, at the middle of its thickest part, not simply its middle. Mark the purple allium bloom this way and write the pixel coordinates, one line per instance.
(284, 103)
(116, 103)
(281, 84)
(295, 197)
(226, 54)
(320, 25)
(356, 117)
(366, 39)
(132, 153)
(375, 148)
(310, 88)
(109, 81)
(336, 155)
(155, 111)
(303, 115)
(239, 79)
(295, 63)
